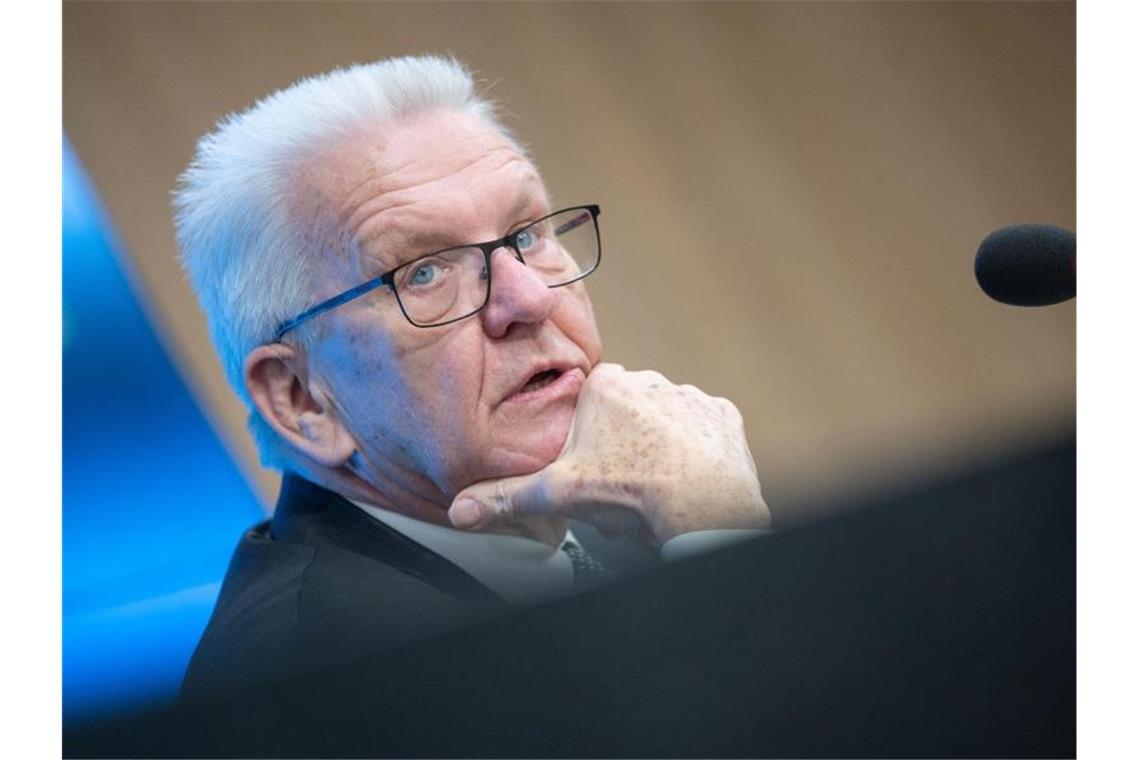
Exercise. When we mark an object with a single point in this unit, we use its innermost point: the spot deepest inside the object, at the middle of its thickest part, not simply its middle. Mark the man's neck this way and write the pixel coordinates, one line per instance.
(346, 483)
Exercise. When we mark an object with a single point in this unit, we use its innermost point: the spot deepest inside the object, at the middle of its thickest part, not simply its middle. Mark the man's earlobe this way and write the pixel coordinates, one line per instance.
(297, 412)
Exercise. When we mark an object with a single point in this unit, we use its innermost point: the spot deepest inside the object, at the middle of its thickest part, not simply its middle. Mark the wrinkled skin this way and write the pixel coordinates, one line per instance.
(404, 417)
(645, 457)
(424, 408)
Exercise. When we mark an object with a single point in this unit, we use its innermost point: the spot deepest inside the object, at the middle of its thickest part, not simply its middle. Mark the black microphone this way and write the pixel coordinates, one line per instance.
(1028, 265)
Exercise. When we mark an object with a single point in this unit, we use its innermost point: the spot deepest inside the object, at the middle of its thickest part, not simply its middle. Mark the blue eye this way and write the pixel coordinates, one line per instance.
(525, 240)
(424, 274)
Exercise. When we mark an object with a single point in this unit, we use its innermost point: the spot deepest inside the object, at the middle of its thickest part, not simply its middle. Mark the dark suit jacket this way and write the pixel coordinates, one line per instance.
(321, 583)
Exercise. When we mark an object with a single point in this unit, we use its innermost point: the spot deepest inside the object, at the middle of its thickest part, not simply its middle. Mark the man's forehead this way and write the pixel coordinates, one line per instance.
(412, 174)
(435, 138)
(395, 154)
(455, 220)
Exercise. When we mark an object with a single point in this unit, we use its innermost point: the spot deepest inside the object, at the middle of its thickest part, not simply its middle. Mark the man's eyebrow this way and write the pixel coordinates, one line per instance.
(525, 202)
(398, 246)
(401, 243)
(392, 247)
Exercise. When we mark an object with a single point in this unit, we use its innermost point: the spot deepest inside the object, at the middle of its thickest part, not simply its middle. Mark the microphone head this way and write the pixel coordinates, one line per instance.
(1028, 265)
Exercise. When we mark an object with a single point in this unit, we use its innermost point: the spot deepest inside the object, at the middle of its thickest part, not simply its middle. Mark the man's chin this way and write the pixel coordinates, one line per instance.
(529, 448)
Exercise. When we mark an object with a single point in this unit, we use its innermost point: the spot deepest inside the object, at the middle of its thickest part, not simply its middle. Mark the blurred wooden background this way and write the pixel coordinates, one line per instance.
(792, 195)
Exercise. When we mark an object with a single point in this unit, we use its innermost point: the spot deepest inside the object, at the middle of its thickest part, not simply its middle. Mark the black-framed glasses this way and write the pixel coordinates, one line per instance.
(449, 285)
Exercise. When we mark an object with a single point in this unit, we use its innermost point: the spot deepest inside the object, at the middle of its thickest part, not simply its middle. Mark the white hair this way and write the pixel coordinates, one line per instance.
(246, 257)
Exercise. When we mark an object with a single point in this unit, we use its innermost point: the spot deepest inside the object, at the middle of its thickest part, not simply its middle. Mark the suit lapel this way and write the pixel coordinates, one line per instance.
(309, 514)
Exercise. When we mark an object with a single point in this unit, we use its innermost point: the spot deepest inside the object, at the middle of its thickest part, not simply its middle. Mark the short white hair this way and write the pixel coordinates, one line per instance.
(247, 259)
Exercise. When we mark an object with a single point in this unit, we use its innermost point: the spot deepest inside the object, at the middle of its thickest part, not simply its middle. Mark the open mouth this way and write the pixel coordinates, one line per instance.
(541, 380)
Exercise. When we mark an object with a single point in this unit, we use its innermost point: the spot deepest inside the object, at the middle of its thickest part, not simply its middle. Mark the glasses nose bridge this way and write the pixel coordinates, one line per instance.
(509, 241)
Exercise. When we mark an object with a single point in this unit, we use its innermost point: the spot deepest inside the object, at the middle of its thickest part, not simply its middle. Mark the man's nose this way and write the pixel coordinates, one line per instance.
(518, 294)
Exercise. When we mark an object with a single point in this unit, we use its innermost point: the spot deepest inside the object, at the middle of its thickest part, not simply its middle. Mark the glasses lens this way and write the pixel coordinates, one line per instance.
(442, 287)
(561, 248)
(452, 284)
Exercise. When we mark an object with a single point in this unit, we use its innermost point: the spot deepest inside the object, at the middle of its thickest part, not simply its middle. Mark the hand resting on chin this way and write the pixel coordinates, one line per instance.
(644, 457)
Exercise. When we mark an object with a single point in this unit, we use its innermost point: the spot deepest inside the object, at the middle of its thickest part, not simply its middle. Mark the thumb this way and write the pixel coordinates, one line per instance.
(501, 501)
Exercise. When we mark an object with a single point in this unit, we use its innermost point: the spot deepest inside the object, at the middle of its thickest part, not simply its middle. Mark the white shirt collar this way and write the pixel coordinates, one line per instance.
(519, 569)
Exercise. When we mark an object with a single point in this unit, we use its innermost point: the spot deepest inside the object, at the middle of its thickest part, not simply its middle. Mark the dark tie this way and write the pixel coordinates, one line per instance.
(588, 571)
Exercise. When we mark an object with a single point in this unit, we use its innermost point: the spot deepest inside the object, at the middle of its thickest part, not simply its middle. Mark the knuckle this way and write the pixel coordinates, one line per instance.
(502, 504)
(734, 413)
(654, 381)
(603, 369)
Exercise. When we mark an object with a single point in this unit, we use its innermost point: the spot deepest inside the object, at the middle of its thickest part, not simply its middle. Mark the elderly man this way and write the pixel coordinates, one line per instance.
(404, 312)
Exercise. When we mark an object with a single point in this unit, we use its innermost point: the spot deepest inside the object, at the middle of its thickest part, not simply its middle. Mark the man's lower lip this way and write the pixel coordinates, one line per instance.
(565, 384)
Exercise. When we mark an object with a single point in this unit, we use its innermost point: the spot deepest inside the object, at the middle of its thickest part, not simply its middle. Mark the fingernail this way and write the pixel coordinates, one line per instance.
(465, 513)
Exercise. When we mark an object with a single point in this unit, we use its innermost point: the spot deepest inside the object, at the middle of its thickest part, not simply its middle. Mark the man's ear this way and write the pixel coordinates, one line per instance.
(302, 416)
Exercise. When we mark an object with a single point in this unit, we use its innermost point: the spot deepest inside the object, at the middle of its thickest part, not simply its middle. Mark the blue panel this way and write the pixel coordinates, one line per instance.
(152, 503)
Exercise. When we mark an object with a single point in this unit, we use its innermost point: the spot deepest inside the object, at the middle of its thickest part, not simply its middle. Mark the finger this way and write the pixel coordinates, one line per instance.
(652, 376)
(603, 368)
(502, 501)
